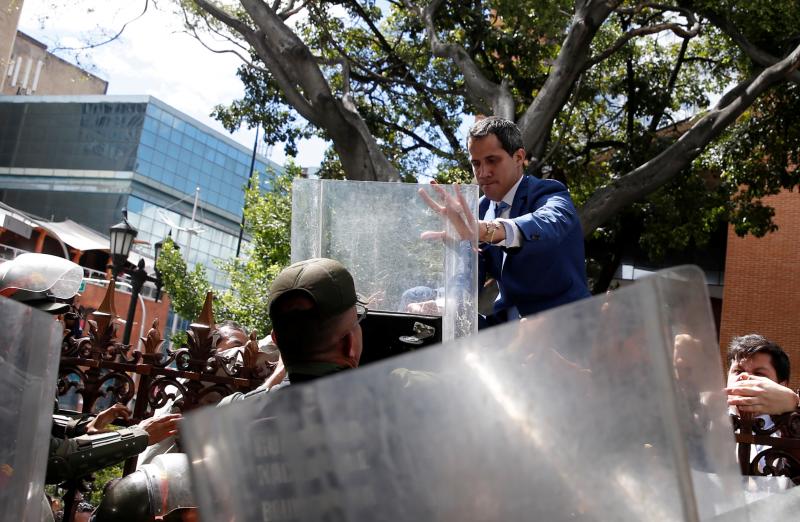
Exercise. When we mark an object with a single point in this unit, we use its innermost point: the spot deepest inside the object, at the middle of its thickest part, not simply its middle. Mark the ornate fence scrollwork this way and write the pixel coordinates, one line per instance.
(781, 440)
(96, 366)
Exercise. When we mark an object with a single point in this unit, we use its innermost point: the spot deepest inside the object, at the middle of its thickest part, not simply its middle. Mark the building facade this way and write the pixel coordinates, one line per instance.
(10, 11)
(85, 158)
(33, 70)
(26, 67)
(761, 277)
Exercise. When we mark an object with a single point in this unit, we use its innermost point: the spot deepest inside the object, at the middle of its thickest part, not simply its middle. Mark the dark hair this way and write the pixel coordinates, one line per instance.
(747, 346)
(506, 131)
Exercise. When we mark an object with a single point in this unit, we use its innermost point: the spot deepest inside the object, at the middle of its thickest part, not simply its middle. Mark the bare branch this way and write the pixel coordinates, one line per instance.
(109, 40)
(210, 27)
(344, 63)
(673, 78)
(420, 141)
(487, 96)
(760, 57)
(290, 10)
(538, 118)
(642, 31)
(537, 163)
(646, 178)
(289, 87)
(365, 75)
(664, 8)
(422, 90)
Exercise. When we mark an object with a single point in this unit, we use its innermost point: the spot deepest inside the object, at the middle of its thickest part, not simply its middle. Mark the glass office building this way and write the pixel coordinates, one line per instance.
(87, 157)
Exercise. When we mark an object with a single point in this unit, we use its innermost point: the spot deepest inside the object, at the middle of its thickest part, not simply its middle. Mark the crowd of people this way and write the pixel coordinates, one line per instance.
(530, 244)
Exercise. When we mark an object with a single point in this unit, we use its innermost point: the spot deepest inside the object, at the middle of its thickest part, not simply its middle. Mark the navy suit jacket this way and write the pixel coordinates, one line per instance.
(548, 268)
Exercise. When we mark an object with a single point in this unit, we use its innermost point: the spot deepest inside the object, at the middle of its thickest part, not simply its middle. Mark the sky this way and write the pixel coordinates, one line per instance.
(153, 56)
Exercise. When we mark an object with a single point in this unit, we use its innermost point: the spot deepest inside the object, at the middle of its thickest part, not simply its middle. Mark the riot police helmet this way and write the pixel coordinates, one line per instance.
(42, 281)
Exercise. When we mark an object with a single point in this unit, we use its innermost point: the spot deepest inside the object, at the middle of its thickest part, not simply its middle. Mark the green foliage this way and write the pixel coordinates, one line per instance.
(760, 157)
(187, 289)
(268, 218)
(101, 478)
(95, 494)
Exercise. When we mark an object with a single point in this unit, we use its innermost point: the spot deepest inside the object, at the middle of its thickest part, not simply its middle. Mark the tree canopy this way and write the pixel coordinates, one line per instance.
(268, 220)
(674, 114)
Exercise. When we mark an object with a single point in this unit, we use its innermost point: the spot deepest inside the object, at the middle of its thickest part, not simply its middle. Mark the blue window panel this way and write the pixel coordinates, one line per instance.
(219, 159)
(163, 131)
(150, 124)
(159, 158)
(180, 125)
(198, 147)
(208, 154)
(175, 136)
(174, 150)
(148, 138)
(171, 165)
(144, 168)
(162, 145)
(196, 161)
(158, 174)
(217, 172)
(184, 169)
(135, 204)
(167, 118)
(184, 155)
(146, 153)
(153, 111)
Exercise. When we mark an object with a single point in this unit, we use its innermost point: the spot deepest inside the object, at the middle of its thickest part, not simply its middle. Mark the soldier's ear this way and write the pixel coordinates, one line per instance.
(274, 338)
(348, 348)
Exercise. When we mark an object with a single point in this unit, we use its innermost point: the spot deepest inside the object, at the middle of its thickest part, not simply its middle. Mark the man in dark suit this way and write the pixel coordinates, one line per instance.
(530, 234)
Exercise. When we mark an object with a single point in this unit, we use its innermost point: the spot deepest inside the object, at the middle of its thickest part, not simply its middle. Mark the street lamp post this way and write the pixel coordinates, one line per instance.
(122, 236)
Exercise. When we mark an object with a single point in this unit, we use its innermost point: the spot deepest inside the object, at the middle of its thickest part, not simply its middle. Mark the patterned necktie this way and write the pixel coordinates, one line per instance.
(499, 208)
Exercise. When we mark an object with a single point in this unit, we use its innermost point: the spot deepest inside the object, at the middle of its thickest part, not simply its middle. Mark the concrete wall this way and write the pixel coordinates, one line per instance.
(32, 70)
(9, 18)
(761, 282)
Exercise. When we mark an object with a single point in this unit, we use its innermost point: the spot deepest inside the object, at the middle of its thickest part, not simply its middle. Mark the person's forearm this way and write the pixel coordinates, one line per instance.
(79, 456)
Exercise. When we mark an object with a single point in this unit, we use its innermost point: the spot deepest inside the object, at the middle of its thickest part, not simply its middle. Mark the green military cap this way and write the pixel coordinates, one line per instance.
(326, 281)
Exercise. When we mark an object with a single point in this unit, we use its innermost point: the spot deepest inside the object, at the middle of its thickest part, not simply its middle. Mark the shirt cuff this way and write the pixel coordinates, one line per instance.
(512, 239)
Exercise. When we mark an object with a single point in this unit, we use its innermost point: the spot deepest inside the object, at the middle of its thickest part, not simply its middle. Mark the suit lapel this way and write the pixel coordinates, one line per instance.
(520, 198)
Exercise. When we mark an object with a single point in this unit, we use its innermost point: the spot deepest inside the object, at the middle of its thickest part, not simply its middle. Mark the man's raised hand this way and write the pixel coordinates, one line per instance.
(453, 209)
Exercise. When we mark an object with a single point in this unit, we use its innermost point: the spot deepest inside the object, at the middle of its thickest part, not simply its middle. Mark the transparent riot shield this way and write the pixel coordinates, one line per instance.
(374, 230)
(29, 349)
(610, 408)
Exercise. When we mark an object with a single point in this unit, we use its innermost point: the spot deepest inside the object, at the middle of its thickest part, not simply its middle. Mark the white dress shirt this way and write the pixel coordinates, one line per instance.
(513, 236)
